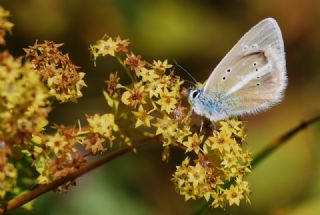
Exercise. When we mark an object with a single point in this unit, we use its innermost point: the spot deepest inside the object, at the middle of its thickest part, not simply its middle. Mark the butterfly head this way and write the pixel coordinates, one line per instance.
(194, 94)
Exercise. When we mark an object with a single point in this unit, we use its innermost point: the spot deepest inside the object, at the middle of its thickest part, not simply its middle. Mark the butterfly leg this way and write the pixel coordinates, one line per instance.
(201, 126)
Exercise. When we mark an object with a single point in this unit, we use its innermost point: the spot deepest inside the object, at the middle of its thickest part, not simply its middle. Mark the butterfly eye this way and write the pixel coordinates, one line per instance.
(195, 94)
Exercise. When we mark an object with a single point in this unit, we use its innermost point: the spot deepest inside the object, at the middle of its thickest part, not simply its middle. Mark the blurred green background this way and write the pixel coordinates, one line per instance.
(197, 34)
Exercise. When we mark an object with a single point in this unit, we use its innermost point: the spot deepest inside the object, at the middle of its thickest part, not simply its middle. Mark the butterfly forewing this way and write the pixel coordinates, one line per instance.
(252, 76)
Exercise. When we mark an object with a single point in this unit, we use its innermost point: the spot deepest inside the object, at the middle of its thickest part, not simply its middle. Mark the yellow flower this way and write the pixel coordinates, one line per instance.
(197, 175)
(233, 126)
(233, 195)
(166, 80)
(193, 143)
(229, 162)
(134, 97)
(220, 141)
(166, 126)
(167, 101)
(182, 133)
(176, 85)
(161, 66)
(103, 125)
(148, 75)
(155, 89)
(219, 200)
(56, 143)
(143, 117)
(103, 47)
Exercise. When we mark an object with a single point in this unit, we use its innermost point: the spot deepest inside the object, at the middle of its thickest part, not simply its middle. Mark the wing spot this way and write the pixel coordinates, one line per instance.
(254, 46)
(258, 77)
(257, 69)
(255, 63)
(244, 47)
(228, 70)
(258, 84)
(223, 78)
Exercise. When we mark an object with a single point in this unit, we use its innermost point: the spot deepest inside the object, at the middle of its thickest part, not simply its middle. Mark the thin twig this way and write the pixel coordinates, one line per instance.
(266, 152)
(281, 140)
(44, 188)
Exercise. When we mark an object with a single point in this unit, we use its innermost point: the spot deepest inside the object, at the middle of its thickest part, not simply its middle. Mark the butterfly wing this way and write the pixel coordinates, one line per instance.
(252, 76)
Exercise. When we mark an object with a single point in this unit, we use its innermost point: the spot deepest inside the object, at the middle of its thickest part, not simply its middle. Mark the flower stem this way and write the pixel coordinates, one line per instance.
(266, 152)
(133, 79)
(44, 188)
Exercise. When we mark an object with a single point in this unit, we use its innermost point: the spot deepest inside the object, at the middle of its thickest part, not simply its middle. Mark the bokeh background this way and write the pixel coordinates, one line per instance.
(197, 34)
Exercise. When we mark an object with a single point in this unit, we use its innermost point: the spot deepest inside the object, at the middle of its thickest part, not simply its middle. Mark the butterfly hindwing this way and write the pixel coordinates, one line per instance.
(252, 76)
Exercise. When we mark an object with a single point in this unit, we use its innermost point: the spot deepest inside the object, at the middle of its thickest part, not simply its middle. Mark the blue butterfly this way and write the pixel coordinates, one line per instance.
(249, 79)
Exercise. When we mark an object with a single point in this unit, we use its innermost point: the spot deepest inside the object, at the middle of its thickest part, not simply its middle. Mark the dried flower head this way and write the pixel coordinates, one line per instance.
(112, 83)
(57, 70)
(134, 62)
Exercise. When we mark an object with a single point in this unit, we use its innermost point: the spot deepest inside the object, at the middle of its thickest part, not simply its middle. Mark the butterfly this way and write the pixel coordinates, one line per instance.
(251, 78)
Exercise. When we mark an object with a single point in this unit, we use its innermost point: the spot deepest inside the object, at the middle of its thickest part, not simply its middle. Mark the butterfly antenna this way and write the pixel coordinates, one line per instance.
(190, 82)
(188, 73)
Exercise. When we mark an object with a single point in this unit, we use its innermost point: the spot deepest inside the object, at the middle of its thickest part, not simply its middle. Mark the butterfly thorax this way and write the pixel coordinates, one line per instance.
(214, 105)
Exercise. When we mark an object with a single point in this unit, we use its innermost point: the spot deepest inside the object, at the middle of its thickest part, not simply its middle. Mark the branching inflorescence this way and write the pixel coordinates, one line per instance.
(153, 105)
(157, 102)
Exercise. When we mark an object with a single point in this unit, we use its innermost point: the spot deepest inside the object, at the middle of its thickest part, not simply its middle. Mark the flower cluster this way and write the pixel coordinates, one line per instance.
(102, 129)
(23, 100)
(57, 155)
(5, 25)
(57, 71)
(26, 86)
(61, 153)
(221, 160)
(24, 108)
(216, 162)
